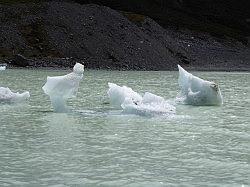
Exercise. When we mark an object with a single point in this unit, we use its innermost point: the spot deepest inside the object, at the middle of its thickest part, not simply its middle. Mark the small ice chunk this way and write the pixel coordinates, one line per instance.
(196, 91)
(133, 103)
(3, 67)
(7, 96)
(150, 105)
(118, 94)
(60, 88)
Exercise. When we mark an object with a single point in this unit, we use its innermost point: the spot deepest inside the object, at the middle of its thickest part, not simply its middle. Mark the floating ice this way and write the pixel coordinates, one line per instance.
(133, 103)
(150, 105)
(196, 91)
(60, 88)
(3, 67)
(7, 96)
(118, 94)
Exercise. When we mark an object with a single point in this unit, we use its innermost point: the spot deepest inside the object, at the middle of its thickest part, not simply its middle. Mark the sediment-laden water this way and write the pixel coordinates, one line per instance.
(96, 145)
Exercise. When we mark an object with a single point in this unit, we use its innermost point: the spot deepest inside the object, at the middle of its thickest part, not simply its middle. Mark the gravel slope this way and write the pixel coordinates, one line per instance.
(56, 34)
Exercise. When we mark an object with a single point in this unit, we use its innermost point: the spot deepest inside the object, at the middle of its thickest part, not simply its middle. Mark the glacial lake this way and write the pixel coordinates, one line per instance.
(96, 145)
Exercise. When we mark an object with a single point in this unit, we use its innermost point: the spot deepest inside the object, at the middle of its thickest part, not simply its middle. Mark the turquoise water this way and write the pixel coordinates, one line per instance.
(96, 145)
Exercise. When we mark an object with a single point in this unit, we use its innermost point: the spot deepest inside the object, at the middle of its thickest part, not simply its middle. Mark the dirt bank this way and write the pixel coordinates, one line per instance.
(46, 34)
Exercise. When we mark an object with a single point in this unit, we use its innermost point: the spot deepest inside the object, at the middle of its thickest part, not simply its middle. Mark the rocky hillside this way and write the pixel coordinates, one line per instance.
(57, 34)
(219, 18)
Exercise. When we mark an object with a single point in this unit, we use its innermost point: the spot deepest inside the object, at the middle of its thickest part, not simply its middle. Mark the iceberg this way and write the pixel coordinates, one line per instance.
(150, 105)
(60, 88)
(3, 67)
(133, 103)
(118, 94)
(196, 91)
(7, 96)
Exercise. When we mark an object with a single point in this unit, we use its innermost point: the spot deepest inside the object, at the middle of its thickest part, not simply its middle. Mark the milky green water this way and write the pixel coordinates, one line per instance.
(95, 145)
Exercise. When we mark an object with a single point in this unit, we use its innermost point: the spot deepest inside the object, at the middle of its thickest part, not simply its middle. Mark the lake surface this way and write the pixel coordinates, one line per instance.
(96, 145)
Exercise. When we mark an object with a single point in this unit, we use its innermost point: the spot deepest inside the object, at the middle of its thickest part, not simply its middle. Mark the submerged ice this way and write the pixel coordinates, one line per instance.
(60, 88)
(7, 96)
(133, 103)
(196, 91)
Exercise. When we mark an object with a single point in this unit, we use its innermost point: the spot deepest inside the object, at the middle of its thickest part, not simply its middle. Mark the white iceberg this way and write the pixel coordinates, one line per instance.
(3, 67)
(150, 105)
(60, 88)
(118, 94)
(7, 96)
(196, 91)
(133, 103)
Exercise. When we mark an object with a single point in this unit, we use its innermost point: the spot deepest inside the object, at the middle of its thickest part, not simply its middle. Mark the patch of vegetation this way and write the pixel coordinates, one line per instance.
(133, 17)
(5, 53)
(36, 37)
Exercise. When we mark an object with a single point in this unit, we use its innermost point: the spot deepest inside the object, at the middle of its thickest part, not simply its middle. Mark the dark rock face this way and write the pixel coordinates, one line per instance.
(103, 38)
(217, 17)
(100, 36)
(21, 61)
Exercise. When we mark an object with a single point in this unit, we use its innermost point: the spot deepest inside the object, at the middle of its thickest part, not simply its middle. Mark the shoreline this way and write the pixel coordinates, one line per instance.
(198, 69)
